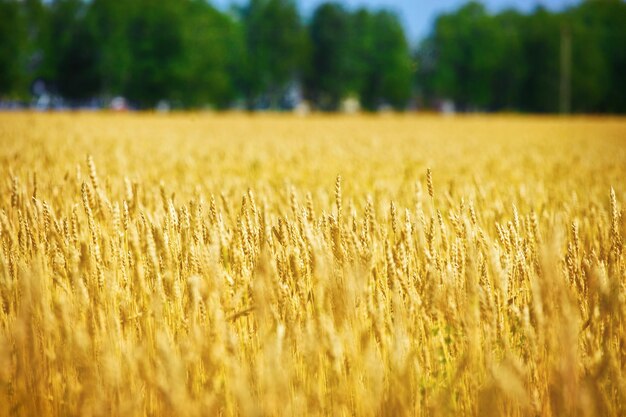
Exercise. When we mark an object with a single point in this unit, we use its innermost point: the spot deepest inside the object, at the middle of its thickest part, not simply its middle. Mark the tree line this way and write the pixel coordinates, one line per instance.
(256, 55)
(540, 62)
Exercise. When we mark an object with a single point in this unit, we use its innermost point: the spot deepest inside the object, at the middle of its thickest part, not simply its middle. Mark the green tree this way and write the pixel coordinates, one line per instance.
(512, 67)
(542, 37)
(110, 20)
(276, 47)
(329, 77)
(180, 51)
(12, 45)
(71, 50)
(360, 56)
(598, 31)
(469, 50)
(360, 53)
(212, 52)
(390, 77)
(155, 34)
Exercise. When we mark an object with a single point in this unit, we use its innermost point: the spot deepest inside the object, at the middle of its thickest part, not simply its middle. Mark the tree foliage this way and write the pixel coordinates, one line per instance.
(511, 61)
(361, 54)
(194, 55)
(12, 42)
(275, 48)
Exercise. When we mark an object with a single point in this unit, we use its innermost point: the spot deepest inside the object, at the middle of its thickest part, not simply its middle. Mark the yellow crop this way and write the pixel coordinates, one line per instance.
(267, 265)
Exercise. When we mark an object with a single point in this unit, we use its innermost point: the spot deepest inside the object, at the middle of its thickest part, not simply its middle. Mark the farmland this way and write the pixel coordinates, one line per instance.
(270, 265)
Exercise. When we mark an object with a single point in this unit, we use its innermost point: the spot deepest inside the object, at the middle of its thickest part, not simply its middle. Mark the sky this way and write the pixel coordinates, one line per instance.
(417, 16)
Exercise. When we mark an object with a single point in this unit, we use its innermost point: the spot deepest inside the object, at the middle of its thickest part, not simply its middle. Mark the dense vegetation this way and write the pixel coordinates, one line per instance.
(193, 55)
(282, 266)
(514, 61)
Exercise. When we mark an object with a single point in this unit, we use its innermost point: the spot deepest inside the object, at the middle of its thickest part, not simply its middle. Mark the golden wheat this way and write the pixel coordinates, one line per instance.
(205, 265)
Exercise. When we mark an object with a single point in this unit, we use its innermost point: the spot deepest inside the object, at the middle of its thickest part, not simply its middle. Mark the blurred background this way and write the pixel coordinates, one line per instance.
(554, 56)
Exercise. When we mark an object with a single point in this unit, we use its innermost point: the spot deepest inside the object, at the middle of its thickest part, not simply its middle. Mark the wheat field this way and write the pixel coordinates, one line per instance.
(271, 265)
